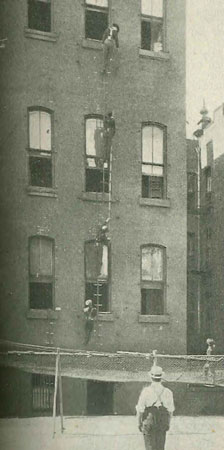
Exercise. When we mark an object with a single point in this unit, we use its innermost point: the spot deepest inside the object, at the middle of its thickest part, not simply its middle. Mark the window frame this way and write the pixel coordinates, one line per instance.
(35, 30)
(164, 165)
(104, 170)
(100, 9)
(192, 191)
(49, 279)
(160, 285)
(48, 380)
(208, 180)
(94, 281)
(148, 18)
(36, 153)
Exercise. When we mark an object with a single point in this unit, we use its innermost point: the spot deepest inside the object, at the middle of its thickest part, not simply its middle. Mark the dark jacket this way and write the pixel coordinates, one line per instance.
(113, 34)
(109, 124)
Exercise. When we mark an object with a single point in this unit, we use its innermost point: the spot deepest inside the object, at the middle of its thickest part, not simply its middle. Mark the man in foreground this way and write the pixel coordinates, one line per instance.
(154, 410)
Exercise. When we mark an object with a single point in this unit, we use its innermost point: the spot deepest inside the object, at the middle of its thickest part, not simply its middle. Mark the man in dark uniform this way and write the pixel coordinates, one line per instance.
(109, 132)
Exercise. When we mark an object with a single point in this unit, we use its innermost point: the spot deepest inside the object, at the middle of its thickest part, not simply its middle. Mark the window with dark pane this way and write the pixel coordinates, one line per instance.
(153, 168)
(96, 18)
(39, 15)
(41, 272)
(152, 280)
(191, 191)
(97, 163)
(152, 301)
(152, 23)
(40, 171)
(208, 178)
(97, 274)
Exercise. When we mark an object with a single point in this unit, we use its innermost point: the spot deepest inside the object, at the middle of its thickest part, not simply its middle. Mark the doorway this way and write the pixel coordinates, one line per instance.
(99, 398)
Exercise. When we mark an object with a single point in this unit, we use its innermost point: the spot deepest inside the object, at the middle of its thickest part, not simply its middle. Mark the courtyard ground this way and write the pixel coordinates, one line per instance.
(108, 433)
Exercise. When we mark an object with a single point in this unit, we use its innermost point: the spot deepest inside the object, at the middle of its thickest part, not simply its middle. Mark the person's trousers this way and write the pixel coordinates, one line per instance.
(108, 50)
(155, 440)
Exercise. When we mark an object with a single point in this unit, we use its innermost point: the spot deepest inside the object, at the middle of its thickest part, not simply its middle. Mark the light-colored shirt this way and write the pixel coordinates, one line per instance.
(150, 394)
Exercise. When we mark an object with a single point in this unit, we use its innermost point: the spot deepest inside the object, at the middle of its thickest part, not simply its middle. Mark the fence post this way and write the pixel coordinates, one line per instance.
(154, 355)
(60, 395)
(55, 390)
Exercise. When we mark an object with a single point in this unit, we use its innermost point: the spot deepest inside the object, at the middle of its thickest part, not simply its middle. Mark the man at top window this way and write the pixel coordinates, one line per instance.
(110, 42)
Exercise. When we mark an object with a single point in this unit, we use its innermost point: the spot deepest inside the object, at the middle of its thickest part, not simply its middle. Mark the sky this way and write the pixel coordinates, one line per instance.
(205, 58)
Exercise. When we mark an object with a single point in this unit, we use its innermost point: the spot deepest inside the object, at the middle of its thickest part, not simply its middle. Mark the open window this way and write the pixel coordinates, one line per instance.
(42, 392)
(153, 155)
(40, 15)
(208, 180)
(152, 280)
(41, 272)
(96, 18)
(40, 148)
(152, 25)
(97, 166)
(97, 274)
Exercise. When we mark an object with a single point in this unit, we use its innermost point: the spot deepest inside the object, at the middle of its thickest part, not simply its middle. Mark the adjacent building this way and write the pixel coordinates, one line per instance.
(194, 340)
(212, 209)
(58, 187)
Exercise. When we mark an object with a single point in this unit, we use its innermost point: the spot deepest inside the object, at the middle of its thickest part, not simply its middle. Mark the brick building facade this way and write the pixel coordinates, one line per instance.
(54, 185)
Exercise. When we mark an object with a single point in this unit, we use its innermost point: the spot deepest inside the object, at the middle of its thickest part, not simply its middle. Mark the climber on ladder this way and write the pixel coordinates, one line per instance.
(109, 132)
(90, 313)
(110, 42)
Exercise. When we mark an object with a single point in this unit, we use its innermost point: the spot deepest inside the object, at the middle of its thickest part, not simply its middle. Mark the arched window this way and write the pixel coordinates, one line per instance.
(97, 274)
(97, 173)
(96, 18)
(41, 272)
(152, 279)
(153, 161)
(40, 147)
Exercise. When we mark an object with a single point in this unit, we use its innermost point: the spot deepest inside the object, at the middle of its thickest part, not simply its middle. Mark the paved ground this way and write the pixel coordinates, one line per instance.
(108, 433)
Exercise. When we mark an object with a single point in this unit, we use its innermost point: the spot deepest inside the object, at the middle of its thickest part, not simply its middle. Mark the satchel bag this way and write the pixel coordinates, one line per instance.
(155, 418)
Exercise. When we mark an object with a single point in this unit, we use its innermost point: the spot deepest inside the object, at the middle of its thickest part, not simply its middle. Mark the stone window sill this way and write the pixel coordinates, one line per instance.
(41, 35)
(161, 202)
(106, 317)
(41, 192)
(154, 55)
(94, 197)
(154, 319)
(42, 314)
(90, 43)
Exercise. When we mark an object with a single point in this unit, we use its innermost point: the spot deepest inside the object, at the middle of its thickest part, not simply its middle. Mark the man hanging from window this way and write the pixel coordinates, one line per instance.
(109, 132)
(110, 42)
(90, 314)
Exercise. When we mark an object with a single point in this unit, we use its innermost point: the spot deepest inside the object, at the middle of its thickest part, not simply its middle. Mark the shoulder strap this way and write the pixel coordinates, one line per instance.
(159, 397)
